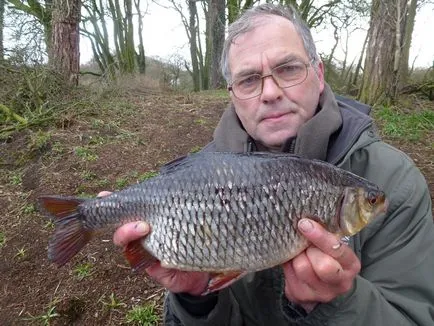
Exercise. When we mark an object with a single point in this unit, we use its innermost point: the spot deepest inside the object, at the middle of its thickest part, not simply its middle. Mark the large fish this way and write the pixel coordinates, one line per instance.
(223, 213)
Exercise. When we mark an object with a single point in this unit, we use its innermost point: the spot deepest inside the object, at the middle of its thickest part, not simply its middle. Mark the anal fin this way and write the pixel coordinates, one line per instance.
(222, 280)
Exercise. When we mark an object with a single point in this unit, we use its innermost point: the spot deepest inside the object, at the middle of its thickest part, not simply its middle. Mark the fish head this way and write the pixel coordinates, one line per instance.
(359, 207)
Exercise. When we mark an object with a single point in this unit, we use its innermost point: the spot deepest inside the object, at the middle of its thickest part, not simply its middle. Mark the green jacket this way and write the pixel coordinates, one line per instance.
(396, 282)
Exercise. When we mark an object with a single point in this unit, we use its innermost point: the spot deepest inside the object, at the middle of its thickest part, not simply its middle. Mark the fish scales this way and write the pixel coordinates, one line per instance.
(254, 175)
(222, 212)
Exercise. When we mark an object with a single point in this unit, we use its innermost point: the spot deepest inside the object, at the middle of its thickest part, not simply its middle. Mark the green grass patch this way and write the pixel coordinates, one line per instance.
(147, 175)
(39, 140)
(82, 271)
(85, 153)
(46, 317)
(88, 175)
(410, 126)
(200, 121)
(112, 303)
(143, 316)
(121, 183)
(15, 178)
(195, 149)
(29, 209)
(2, 239)
(21, 253)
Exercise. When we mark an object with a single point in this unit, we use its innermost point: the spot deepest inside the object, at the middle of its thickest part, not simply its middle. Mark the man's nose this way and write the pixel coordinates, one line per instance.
(270, 89)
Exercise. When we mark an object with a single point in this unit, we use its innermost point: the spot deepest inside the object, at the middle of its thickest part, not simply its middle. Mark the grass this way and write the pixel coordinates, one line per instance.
(29, 209)
(195, 149)
(409, 126)
(85, 153)
(2, 239)
(147, 175)
(15, 178)
(83, 270)
(45, 318)
(49, 225)
(88, 175)
(21, 253)
(121, 183)
(39, 140)
(143, 316)
(113, 303)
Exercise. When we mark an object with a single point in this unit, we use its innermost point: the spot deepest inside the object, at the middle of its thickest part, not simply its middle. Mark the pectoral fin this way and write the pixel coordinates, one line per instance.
(138, 257)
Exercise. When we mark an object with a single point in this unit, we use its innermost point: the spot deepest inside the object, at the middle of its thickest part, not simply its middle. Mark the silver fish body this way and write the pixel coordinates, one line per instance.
(222, 212)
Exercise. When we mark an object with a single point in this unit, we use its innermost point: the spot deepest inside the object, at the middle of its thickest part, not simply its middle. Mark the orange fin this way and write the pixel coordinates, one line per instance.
(70, 235)
(223, 280)
(138, 257)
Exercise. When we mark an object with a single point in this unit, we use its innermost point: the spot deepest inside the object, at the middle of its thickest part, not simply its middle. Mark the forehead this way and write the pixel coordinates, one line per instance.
(272, 39)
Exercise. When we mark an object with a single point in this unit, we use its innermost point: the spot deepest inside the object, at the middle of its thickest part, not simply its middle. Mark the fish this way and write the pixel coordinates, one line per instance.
(228, 214)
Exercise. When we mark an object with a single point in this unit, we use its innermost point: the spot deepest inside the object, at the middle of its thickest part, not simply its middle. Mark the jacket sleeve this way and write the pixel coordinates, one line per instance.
(225, 311)
(395, 285)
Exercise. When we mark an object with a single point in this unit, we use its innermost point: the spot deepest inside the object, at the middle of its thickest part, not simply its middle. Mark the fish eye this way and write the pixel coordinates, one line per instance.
(372, 198)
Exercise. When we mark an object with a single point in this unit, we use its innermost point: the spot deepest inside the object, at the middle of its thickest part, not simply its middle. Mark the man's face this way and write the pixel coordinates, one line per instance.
(276, 114)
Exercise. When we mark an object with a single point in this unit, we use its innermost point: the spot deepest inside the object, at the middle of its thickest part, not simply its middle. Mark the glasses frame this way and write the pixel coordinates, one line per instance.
(307, 65)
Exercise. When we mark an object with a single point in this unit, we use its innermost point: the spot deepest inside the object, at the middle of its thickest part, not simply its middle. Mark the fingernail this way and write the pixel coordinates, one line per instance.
(142, 227)
(305, 225)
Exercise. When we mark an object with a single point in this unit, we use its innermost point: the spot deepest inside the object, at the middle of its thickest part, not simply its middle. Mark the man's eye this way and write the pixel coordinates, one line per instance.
(289, 69)
(249, 81)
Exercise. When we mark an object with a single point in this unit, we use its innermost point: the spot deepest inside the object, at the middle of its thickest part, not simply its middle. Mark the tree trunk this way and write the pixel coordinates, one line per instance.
(2, 11)
(408, 32)
(359, 63)
(64, 56)
(193, 44)
(141, 59)
(217, 34)
(129, 38)
(380, 73)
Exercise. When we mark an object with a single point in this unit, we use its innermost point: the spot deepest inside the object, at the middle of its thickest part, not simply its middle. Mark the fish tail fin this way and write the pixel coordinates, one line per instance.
(70, 235)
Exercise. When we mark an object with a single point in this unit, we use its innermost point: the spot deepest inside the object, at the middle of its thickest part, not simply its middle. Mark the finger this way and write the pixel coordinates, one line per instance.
(326, 268)
(104, 193)
(296, 290)
(327, 242)
(129, 232)
(177, 281)
(303, 269)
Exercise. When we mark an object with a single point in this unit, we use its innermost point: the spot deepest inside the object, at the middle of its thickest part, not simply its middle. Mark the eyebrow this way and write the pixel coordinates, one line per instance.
(251, 71)
(288, 59)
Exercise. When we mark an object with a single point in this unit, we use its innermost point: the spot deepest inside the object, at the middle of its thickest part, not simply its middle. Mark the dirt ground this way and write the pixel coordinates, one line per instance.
(106, 150)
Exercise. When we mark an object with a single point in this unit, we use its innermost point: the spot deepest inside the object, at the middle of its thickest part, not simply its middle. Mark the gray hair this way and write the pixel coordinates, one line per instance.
(248, 21)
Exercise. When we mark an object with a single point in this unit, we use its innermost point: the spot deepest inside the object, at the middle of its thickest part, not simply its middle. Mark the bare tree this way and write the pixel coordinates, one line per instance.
(141, 59)
(99, 37)
(64, 55)
(385, 55)
(42, 11)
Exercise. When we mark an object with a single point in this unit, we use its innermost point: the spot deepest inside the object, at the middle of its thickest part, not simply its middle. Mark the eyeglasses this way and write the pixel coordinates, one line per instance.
(285, 76)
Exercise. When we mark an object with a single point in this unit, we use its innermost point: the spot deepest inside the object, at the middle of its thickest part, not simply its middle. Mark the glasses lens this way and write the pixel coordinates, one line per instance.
(249, 86)
(286, 75)
(290, 74)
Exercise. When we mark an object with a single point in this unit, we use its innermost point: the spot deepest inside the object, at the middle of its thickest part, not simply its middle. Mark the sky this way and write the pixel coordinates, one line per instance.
(164, 35)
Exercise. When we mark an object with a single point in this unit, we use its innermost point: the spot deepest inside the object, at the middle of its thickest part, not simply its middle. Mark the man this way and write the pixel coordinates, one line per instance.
(384, 276)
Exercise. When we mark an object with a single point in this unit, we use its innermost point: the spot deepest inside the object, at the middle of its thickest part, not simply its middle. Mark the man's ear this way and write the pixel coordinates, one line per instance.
(320, 74)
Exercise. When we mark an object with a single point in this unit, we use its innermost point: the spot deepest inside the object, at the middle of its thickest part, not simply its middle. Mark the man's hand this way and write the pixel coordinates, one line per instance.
(193, 283)
(323, 271)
